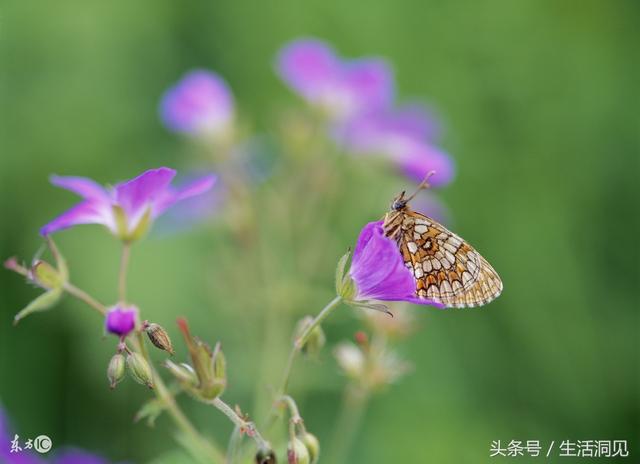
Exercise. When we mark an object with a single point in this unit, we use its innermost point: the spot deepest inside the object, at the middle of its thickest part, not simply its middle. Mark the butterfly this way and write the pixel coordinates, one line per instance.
(446, 268)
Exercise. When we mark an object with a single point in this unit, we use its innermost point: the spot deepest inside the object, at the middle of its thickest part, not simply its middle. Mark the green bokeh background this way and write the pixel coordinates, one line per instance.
(540, 104)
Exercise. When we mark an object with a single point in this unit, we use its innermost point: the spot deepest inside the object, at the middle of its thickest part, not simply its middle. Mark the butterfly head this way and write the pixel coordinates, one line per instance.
(400, 202)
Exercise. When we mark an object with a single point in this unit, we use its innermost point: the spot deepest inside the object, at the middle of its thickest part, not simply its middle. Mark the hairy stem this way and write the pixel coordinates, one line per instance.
(299, 342)
(85, 297)
(245, 426)
(122, 274)
(207, 448)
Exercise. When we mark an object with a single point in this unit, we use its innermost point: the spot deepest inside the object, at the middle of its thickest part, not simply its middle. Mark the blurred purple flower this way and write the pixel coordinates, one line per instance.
(200, 103)
(128, 205)
(378, 270)
(416, 159)
(26, 456)
(78, 456)
(388, 130)
(405, 136)
(342, 88)
(121, 320)
(6, 437)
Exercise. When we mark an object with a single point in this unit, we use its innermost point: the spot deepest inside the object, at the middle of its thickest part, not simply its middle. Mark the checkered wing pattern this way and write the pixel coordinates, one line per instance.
(446, 268)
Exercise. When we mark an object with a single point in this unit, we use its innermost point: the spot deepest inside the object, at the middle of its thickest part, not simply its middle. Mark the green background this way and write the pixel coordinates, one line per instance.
(539, 102)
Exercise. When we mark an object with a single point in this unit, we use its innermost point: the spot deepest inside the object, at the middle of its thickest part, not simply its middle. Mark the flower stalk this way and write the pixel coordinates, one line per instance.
(122, 274)
(300, 341)
(243, 425)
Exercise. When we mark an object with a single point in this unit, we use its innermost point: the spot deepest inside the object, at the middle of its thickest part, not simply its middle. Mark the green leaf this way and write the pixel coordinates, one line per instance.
(42, 303)
(150, 411)
(366, 304)
(340, 268)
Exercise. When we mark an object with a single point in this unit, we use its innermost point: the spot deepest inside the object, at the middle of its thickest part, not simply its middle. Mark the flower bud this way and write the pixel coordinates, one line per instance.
(345, 286)
(313, 446)
(46, 275)
(297, 452)
(121, 319)
(184, 373)
(158, 336)
(139, 369)
(219, 370)
(265, 456)
(351, 359)
(41, 303)
(316, 339)
(115, 371)
(210, 366)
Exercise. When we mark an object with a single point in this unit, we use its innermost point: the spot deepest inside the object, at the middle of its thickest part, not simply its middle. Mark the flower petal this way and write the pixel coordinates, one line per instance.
(194, 188)
(200, 102)
(387, 131)
(82, 186)
(308, 66)
(378, 269)
(368, 84)
(87, 212)
(136, 194)
(416, 160)
(121, 320)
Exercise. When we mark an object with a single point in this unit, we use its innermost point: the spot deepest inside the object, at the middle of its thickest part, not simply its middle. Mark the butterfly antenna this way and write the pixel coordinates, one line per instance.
(423, 185)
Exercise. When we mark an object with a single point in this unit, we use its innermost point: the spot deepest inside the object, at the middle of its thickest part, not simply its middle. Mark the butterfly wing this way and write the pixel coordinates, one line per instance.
(447, 269)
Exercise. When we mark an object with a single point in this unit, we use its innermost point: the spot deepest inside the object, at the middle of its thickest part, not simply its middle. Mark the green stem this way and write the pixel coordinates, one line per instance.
(122, 275)
(301, 340)
(353, 407)
(247, 426)
(85, 297)
(211, 451)
(294, 413)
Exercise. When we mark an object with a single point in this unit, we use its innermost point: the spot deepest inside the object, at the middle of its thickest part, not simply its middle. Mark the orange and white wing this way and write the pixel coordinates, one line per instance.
(447, 269)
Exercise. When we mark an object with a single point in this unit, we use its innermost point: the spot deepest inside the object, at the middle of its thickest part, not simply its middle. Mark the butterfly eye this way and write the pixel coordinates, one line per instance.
(398, 204)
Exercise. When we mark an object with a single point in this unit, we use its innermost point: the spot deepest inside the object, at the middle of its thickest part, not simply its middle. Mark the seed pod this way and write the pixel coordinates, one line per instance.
(115, 371)
(47, 275)
(313, 446)
(139, 369)
(158, 336)
(315, 340)
(265, 456)
(183, 373)
(297, 453)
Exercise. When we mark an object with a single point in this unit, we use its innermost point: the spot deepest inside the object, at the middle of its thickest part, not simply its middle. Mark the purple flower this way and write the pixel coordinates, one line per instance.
(121, 320)
(405, 136)
(341, 88)
(78, 456)
(416, 159)
(127, 208)
(378, 270)
(6, 438)
(201, 103)
(388, 130)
